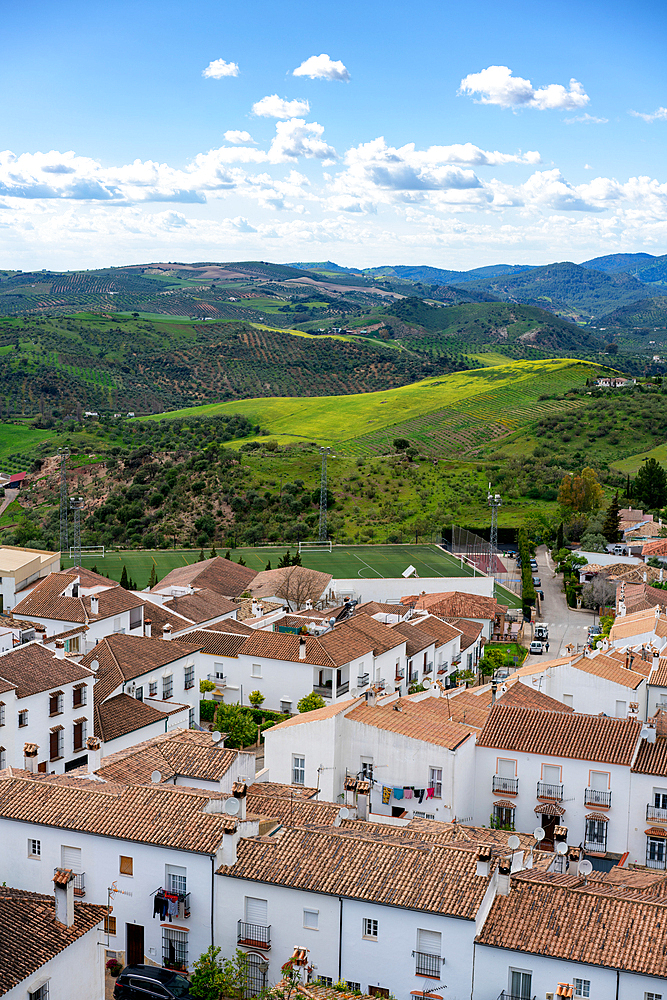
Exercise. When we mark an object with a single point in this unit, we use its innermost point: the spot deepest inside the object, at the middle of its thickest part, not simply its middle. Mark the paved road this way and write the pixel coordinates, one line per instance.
(565, 626)
(10, 495)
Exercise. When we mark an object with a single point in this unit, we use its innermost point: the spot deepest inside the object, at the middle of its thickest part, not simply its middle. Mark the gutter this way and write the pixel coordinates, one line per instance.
(340, 940)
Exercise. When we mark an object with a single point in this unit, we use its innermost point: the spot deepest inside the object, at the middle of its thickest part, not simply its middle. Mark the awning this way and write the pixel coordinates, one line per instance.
(655, 831)
(505, 804)
(599, 817)
(549, 809)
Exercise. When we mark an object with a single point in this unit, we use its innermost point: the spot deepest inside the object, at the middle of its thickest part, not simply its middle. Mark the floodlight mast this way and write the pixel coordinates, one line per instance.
(64, 540)
(324, 452)
(76, 506)
(494, 502)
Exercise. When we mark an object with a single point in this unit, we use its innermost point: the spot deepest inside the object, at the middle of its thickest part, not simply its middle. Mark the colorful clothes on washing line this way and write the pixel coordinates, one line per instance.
(430, 793)
(407, 791)
(386, 795)
(419, 794)
(398, 793)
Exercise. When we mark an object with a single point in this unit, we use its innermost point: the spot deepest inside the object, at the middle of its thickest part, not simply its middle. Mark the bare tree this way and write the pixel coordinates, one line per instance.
(600, 592)
(298, 586)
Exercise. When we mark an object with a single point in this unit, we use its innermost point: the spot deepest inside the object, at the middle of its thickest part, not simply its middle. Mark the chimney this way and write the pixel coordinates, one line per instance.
(239, 791)
(494, 689)
(30, 751)
(655, 661)
(645, 577)
(63, 884)
(94, 748)
(147, 627)
(503, 879)
(94, 604)
(302, 648)
(60, 650)
(166, 631)
(484, 862)
(605, 644)
(363, 795)
(370, 697)
(517, 861)
(309, 605)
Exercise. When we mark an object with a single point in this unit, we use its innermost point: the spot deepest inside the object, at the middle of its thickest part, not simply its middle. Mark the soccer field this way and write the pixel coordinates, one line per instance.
(345, 561)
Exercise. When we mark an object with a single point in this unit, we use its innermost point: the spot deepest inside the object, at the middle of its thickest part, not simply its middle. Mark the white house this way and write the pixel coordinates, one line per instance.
(566, 772)
(50, 940)
(46, 701)
(19, 568)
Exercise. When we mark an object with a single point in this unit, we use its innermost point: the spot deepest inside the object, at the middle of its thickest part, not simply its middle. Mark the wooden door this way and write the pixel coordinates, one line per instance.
(134, 947)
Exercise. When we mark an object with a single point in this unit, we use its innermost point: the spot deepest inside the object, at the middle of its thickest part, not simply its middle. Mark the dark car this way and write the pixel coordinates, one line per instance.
(537, 582)
(145, 982)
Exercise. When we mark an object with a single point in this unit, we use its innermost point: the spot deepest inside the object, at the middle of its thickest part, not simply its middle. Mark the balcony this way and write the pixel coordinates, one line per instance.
(652, 812)
(342, 688)
(595, 846)
(254, 935)
(79, 882)
(218, 679)
(400, 675)
(427, 965)
(183, 900)
(323, 689)
(428, 669)
(514, 996)
(595, 797)
(545, 790)
(380, 683)
(362, 680)
(508, 785)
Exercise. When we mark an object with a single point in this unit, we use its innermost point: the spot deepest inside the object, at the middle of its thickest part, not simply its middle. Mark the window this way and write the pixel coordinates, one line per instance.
(152, 689)
(423, 815)
(126, 865)
(2, 713)
(311, 919)
(427, 956)
(298, 770)
(176, 878)
(191, 718)
(369, 928)
(56, 703)
(367, 768)
(286, 707)
(256, 670)
(23, 718)
(257, 969)
(3, 758)
(56, 741)
(136, 617)
(505, 767)
(655, 852)
(34, 848)
(378, 991)
(596, 835)
(551, 774)
(659, 798)
(41, 993)
(568, 699)
(167, 686)
(503, 816)
(79, 695)
(189, 677)
(256, 911)
(73, 645)
(139, 693)
(521, 984)
(582, 987)
(353, 986)
(110, 925)
(328, 981)
(621, 709)
(79, 734)
(175, 949)
(435, 781)
(116, 625)
(653, 996)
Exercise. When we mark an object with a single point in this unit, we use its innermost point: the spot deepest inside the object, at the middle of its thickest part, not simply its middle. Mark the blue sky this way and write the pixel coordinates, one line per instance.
(446, 134)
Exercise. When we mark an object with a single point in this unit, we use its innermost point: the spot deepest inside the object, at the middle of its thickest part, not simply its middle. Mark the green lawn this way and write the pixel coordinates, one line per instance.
(362, 561)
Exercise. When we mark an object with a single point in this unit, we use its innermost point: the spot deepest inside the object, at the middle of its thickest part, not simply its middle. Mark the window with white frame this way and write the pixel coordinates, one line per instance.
(23, 718)
(367, 768)
(3, 758)
(325, 980)
(34, 848)
(256, 670)
(369, 928)
(285, 706)
(2, 713)
(79, 695)
(521, 983)
(435, 781)
(189, 677)
(355, 987)
(298, 770)
(652, 996)
(175, 949)
(311, 919)
(621, 709)
(660, 798)
(41, 993)
(167, 686)
(152, 689)
(191, 717)
(582, 987)
(176, 879)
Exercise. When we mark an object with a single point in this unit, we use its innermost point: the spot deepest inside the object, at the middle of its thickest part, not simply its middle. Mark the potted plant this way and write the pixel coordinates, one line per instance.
(114, 967)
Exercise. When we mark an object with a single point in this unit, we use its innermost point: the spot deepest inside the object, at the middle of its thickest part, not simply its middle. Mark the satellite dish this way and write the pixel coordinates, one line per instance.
(354, 692)
(561, 847)
(585, 867)
(389, 688)
(156, 777)
(426, 683)
(216, 736)
(513, 843)
(344, 813)
(94, 664)
(232, 807)
(538, 833)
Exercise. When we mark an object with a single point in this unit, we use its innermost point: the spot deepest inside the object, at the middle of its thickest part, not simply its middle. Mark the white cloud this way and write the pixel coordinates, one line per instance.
(586, 119)
(660, 114)
(237, 136)
(322, 67)
(296, 138)
(497, 85)
(219, 68)
(278, 107)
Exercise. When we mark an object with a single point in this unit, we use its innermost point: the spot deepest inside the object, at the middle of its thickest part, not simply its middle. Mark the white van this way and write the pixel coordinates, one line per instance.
(536, 647)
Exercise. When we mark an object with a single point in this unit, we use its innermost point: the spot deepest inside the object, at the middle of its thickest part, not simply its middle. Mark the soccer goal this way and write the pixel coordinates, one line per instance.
(315, 546)
(88, 550)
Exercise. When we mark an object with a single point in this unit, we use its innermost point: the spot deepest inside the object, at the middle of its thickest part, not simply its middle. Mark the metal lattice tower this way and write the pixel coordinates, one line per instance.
(494, 502)
(64, 540)
(76, 505)
(324, 452)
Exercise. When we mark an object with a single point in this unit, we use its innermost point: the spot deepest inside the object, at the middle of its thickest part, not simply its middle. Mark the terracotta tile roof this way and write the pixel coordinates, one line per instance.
(658, 547)
(160, 815)
(538, 668)
(231, 627)
(417, 639)
(659, 678)
(346, 643)
(123, 657)
(436, 878)
(561, 734)
(285, 646)
(31, 668)
(317, 715)
(471, 631)
(244, 606)
(467, 708)
(278, 789)
(652, 757)
(528, 697)
(46, 601)
(292, 812)
(201, 606)
(649, 530)
(455, 604)
(123, 714)
(439, 629)
(268, 582)
(428, 720)
(214, 643)
(186, 753)
(159, 616)
(221, 575)
(61, 636)
(383, 637)
(595, 924)
(604, 666)
(638, 622)
(379, 608)
(312, 992)
(89, 580)
(31, 937)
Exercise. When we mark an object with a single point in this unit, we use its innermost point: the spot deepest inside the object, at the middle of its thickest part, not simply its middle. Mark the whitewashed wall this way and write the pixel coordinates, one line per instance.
(82, 962)
(383, 590)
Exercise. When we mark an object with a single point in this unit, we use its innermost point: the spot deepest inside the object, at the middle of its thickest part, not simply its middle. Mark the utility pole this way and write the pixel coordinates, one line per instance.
(494, 503)
(76, 506)
(64, 540)
(324, 452)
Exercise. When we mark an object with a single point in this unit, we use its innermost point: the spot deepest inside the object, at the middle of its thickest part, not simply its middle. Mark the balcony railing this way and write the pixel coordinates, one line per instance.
(363, 679)
(343, 688)
(652, 812)
(428, 669)
(254, 935)
(595, 846)
(545, 790)
(323, 690)
(515, 996)
(183, 901)
(427, 965)
(595, 797)
(218, 679)
(79, 882)
(501, 784)
(380, 683)
(400, 675)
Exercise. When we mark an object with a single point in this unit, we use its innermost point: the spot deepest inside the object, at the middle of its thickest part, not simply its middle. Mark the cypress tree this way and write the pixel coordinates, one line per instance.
(202, 557)
(213, 552)
(610, 527)
(268, 565)
(560, 538)
(153, 579)
(124, 580)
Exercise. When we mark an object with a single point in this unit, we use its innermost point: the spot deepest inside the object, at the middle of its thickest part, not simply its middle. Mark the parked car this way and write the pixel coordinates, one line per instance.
(541, 632)
(537, 583)
(535, 647)
(145, 982)
(533, 563)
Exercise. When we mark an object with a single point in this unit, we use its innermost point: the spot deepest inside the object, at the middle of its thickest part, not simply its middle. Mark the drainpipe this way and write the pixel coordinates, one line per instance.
(472, 981)
(340, 939)
(618, 975)
(212, 895)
